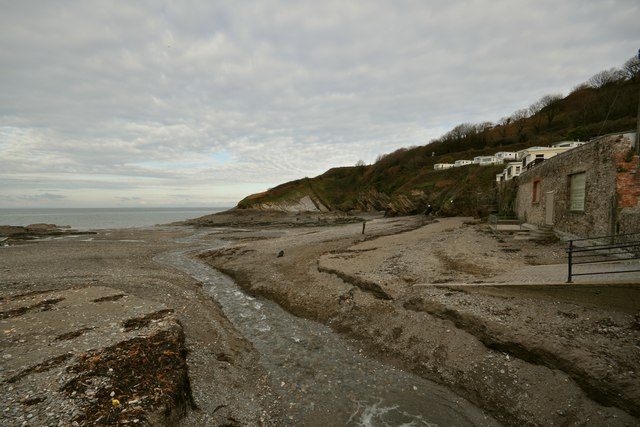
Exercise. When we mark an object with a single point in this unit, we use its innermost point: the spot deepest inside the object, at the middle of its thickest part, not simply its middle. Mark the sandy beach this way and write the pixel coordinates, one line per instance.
(485, 316)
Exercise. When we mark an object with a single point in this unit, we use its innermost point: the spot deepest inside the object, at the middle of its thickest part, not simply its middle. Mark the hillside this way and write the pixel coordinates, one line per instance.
(404, 182)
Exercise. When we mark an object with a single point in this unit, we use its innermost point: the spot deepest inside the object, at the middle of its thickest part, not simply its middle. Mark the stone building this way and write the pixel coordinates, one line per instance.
(590, 190)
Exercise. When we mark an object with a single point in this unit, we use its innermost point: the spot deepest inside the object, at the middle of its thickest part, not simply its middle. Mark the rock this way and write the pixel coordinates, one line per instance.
(34, 228)
(87, 334)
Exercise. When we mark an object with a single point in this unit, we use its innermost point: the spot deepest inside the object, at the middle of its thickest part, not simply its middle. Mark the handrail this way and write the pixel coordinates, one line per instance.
(605, 246)
(604, 237)
(625, 252)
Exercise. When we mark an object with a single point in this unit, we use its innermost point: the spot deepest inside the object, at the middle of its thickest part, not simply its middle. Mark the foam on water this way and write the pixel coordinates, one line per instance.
(376, 414)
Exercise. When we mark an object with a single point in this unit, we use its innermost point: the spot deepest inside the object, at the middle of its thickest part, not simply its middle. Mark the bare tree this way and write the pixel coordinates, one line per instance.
(461, 132)
(518, 118)
(581, 86)
(484, 126)
(520, 114)
(631, 68)
(551, 106)
(534, 108)
(605, 77)
(504, 122)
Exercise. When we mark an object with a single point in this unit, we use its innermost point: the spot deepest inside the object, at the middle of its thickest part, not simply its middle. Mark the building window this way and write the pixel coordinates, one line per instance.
(576, 191)
(536, 192)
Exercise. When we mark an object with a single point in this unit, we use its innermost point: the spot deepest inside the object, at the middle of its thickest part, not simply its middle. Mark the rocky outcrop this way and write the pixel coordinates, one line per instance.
(271, 218)
(11, 230)
(400, 204)
(12, 234)
(303, 204)
(93, 355)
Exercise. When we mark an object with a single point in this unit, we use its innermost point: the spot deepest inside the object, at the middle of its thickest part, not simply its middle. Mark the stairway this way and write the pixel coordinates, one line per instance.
(535, 232)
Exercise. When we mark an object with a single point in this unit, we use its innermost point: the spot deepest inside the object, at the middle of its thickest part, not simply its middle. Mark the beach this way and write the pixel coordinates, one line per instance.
(446, 300)
(221, 364)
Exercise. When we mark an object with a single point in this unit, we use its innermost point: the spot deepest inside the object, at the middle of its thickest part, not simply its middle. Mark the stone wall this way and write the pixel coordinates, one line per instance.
(612, 189)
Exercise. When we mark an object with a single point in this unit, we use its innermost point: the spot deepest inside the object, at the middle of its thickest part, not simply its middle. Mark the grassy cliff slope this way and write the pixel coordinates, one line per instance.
(404, 182)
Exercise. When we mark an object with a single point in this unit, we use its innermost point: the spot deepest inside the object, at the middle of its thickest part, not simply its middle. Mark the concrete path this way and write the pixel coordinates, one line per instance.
(558, 273)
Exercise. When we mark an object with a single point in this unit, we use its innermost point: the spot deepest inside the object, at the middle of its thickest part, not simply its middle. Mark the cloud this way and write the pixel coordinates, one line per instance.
(43, 197)
(135, 96)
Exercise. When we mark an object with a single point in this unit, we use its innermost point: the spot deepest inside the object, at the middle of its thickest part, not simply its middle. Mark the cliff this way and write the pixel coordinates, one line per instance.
(410, 187)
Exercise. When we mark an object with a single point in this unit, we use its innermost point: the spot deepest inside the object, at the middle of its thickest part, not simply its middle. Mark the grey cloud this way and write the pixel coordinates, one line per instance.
(43, 197)
(151, 92)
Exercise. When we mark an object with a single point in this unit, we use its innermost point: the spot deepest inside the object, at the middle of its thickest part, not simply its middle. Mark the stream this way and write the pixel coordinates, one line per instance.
(321, 378)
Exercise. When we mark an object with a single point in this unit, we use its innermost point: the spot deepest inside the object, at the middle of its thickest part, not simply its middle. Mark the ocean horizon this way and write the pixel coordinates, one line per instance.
(102, 218)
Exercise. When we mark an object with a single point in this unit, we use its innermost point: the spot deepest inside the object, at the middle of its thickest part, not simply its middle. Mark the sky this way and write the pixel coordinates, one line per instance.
(201, 103)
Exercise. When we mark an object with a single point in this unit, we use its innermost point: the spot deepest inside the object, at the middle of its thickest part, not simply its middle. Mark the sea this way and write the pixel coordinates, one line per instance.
(102, 218)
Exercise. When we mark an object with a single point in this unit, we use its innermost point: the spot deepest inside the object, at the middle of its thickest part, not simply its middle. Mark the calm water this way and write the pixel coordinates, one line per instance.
(86, 218)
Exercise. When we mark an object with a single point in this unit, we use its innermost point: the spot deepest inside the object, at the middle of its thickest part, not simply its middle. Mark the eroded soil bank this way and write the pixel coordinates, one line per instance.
(440, 299)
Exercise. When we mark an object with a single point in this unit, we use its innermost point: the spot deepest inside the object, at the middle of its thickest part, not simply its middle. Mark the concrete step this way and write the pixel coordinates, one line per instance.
(537, 232)
(522, 235)
(542, 236)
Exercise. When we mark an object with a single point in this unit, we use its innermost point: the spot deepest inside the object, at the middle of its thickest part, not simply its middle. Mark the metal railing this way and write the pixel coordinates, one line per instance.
(604, 249)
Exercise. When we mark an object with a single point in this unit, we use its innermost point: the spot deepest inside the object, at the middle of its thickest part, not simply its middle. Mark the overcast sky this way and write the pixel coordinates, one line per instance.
(200, 103)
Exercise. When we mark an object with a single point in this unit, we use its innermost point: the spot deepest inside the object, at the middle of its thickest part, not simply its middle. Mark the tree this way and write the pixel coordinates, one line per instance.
(504, 122)
(551, 106)
(631, 68)
(518, 118)
(460, 132)
(605, 77)
(580, 87)
(534, 108)
(485, 126)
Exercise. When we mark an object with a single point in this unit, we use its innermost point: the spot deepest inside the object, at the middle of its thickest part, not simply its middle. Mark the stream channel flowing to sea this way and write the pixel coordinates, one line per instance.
(321, 378)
